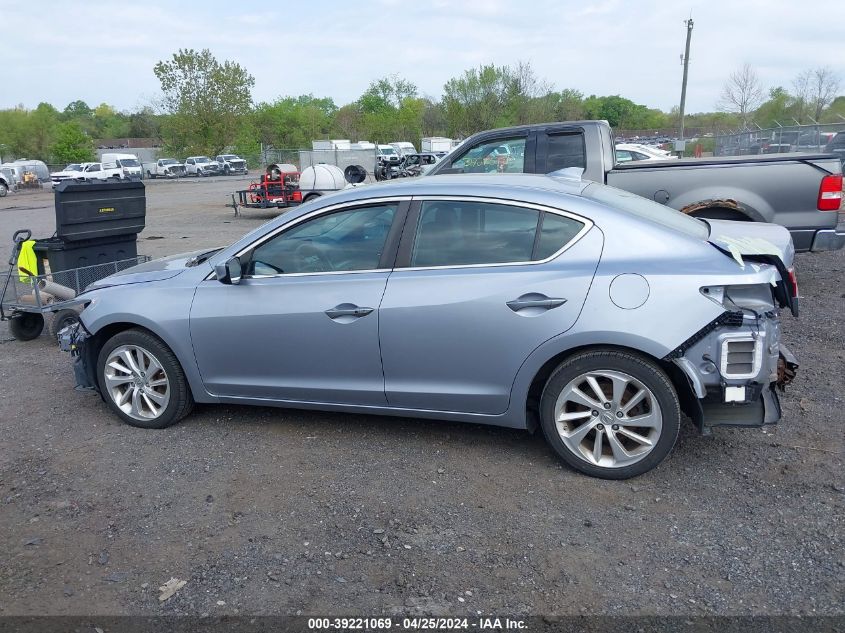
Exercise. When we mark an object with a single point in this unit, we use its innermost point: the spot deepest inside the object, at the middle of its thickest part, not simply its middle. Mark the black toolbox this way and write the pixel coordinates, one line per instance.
(99, 209)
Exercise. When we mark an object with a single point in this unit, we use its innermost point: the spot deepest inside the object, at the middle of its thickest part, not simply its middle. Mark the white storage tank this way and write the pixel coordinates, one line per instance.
(321, 178)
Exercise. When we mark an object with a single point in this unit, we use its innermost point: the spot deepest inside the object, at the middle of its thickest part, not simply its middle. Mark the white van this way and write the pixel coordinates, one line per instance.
(404, 148)
(121, 165)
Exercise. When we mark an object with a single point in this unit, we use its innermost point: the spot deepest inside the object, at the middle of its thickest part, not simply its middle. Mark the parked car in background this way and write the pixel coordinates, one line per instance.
(387, 155)
(649, 150)
(71, 171)
(836, 145)
(123, 166)
(201, 166)
(515, 300)
(164, 168)
(813, 141)
(231, 164)
(800, 191)
(6, 183)
(626, 153)
(404, 148)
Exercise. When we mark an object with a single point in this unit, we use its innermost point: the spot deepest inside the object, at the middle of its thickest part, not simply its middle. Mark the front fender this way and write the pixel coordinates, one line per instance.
(164, 313)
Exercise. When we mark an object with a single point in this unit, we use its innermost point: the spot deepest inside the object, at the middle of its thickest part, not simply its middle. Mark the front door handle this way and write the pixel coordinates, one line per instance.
(347, 310)
(535, 301)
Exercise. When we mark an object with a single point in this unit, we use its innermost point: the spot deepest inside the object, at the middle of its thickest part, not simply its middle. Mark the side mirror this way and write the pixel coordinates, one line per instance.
(230, 272)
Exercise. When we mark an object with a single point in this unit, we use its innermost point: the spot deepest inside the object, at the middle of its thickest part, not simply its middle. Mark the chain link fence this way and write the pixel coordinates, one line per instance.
(795, 138)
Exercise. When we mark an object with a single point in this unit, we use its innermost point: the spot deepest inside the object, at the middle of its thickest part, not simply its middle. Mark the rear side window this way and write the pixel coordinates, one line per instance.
(565, 150)
(556, 232)
(455, 233)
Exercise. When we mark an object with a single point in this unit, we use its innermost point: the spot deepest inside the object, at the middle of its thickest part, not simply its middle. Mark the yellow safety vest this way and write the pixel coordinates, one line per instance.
(27, 261)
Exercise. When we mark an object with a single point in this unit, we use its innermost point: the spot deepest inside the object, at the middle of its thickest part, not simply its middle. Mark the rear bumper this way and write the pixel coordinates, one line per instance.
(828, 240)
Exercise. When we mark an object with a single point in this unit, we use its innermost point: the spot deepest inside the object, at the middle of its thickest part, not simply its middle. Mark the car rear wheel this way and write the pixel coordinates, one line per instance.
(3, 190)
(142, 380)
(610, 414)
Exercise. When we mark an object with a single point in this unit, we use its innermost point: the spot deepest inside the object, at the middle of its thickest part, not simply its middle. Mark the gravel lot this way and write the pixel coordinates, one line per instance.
(269, 511)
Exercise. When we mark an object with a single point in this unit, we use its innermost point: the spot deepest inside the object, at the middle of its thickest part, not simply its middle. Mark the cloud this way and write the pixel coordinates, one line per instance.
(78, 51)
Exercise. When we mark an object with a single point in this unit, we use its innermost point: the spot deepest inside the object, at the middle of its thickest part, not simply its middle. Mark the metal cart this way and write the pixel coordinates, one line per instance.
(27, 298)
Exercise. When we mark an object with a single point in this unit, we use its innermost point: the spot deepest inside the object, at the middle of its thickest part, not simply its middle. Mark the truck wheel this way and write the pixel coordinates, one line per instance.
(3, 190)
(26, 326)
(226, 170)
(150, 175)
(142, 381)
(61, 320)
(311, 196)
(610, 414)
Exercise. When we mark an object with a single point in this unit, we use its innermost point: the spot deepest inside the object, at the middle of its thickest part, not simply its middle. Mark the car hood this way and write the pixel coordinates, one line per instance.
(749, 239)
(65, 174)
(155, 270)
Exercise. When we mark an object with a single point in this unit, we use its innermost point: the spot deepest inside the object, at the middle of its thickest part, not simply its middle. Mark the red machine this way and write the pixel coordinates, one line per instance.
(279, 188)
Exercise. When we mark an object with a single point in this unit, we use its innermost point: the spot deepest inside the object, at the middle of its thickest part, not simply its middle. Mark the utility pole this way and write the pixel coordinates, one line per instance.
(685, 61)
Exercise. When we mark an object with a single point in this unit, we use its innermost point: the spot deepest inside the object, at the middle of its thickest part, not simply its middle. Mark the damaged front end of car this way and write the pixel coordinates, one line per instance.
(73, 339)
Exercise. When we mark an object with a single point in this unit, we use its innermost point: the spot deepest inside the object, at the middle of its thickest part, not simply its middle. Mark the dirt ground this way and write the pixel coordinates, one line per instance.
(269, 511)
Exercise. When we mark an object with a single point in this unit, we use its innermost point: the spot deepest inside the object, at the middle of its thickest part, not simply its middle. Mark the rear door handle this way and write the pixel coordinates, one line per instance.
(347, 310)
(529, 301)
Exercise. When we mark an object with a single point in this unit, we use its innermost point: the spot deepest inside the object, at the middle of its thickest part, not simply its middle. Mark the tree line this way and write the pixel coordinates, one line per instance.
(207, 107)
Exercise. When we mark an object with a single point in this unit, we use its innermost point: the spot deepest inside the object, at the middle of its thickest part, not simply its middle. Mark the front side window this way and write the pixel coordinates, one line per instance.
(455, 233)
(190, 161)
(348, 240)
(497, 156)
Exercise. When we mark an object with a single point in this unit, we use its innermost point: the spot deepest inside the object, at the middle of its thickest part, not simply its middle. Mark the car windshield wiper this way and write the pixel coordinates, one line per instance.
(199, 259)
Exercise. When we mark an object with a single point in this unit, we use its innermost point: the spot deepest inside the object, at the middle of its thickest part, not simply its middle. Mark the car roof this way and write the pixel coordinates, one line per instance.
(485, 185)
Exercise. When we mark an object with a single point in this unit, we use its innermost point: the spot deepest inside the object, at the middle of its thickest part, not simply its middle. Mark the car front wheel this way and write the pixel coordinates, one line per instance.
(142, 381)
(610, 414)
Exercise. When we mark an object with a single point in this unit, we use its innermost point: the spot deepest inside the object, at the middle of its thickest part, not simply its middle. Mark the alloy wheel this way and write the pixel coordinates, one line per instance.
(608, 418)
(136, 382)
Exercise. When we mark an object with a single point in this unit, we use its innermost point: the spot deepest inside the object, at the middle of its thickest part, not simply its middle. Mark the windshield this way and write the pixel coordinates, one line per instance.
(129, 162)
(170, 161)
(202, 159)
(229, 157)
(387, 150)
(647, 209)
(74, 167)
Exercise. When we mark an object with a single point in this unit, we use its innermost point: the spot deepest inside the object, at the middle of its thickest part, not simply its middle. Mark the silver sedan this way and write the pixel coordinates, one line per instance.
(523, 301)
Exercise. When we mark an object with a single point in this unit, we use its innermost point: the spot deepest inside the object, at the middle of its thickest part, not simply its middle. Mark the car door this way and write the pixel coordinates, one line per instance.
(478, 285)
(302, 323)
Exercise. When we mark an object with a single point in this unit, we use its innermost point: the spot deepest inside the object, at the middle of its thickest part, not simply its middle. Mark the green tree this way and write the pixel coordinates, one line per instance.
(208, 101)
(71, 144)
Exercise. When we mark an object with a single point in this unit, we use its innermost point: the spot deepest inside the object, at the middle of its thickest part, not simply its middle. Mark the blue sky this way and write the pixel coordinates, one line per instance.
(96, 51)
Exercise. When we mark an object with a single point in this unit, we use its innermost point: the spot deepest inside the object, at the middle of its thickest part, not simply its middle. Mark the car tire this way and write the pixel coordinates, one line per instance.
(142, 381)
(226, 171)
(61, 320)
(621, 433)
(3, 190)
(26, 326)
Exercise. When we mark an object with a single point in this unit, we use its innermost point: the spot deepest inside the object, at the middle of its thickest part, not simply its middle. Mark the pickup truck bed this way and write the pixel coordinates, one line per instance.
(802, 192)
(727, 190)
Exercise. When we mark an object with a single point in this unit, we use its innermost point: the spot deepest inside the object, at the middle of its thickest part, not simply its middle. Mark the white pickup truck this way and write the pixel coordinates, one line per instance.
(231, 164)
(201, 166)
(164, 168)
